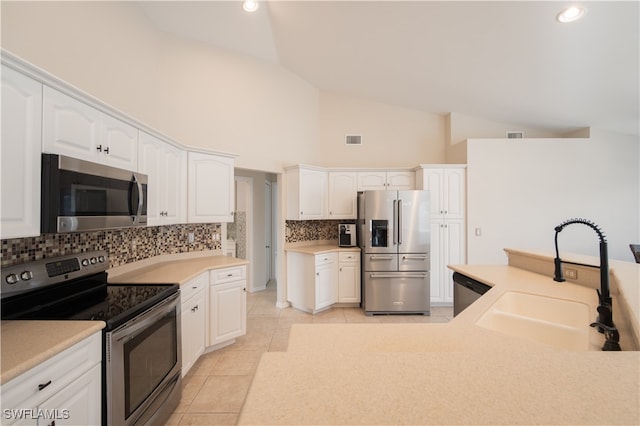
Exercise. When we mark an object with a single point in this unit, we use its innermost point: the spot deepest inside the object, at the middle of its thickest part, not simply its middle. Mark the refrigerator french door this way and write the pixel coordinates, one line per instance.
(395, 240)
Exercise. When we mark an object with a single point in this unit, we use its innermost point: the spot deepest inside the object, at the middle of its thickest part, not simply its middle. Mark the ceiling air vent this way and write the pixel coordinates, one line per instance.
(353, 140)
(515, 135)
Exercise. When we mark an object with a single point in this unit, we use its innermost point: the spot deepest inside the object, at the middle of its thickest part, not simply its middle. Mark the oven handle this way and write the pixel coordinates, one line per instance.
(129, 329)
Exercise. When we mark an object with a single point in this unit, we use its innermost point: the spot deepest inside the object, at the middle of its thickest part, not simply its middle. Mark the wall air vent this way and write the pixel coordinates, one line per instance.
(353, 140)
(515, 135)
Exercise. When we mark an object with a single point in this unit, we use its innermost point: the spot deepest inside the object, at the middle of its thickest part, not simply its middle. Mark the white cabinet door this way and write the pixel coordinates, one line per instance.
(20, 155)
(75, 129)
(79, 403)
(343, 192)
(349, 277)
(165, 166)
(307, 195)
(401, 180)
(228, 311)
(447, 248)
(118, 143)
(326, 285)
(210, 188)
(70, 127)
(193, 318)
(447, 188)
(372, 180)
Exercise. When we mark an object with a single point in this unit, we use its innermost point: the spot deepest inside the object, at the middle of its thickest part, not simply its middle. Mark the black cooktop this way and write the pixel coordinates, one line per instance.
(75, 288)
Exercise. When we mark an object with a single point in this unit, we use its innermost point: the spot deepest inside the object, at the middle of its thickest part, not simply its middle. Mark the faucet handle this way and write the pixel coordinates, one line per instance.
(611, 335)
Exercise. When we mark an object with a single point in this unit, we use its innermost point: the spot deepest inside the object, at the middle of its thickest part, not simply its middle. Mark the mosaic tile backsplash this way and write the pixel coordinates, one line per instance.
(123, 245)
(298, 231)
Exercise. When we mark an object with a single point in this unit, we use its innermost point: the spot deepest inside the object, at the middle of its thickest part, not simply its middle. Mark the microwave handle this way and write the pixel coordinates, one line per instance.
(138, 211)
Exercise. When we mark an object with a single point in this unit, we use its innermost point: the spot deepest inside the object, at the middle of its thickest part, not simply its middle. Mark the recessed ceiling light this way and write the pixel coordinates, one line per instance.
(570, 14)
(250, 5)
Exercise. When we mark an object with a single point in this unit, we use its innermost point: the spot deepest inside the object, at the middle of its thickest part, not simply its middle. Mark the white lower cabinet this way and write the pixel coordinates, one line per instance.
(227, 304)
(348, 277)
(194, 319)
(64, 390)
(316, 282)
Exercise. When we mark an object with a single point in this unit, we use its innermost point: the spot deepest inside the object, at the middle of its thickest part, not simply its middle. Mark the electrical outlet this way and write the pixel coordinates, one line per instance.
(571, 274)
(190, 237)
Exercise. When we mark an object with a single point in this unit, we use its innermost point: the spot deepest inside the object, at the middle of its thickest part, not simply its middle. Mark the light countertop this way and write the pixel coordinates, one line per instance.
(175, 271)
(454, 373)
(26, 344)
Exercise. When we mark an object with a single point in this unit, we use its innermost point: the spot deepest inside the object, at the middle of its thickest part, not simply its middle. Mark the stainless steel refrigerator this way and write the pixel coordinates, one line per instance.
(394, 238)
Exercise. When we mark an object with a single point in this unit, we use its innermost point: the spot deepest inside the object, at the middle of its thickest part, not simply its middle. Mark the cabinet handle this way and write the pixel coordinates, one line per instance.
(106, 149)
(194, 287)
(229, 275)
(43, 385)
(195, 308)
(99, 148)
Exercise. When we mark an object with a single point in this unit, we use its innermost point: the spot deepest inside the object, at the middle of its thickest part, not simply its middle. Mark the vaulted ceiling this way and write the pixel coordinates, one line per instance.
(507, 61)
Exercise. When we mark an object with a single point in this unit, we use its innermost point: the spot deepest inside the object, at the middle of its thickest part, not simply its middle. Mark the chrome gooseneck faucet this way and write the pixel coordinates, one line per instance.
(604, 322)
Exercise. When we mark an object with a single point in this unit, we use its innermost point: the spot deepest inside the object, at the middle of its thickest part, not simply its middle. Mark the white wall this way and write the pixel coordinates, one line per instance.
(195, 94)
(391, 136)
(518, 191)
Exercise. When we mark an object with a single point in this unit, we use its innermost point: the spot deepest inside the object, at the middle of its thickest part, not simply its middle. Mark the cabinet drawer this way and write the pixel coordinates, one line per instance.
(219, 276)
(188, 289)
(52, 375)
(349, 256)
(326, 258)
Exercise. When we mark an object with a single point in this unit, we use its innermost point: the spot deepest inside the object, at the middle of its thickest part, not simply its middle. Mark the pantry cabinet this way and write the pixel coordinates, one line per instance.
(306, 193)
(20, 155)
(194, 318)
(343, 191)
(210, 188)
(166, 168)
(75, 129)
(68, 385)
(446, 184)
(227, 304)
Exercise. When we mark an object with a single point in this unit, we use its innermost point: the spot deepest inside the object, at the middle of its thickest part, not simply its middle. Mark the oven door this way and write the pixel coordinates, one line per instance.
(143, 366)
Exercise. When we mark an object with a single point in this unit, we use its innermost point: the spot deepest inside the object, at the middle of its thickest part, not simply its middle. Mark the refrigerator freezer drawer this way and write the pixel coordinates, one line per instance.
(380, 262)
(414, 262)
(396, 292)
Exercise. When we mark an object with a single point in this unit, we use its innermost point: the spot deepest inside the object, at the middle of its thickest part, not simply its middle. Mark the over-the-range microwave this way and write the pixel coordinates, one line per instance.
(79, 195)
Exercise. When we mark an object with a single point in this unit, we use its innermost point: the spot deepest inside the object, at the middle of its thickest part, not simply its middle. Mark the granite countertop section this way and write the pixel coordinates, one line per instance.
(314, 249)
(26, 344)
(173, 271)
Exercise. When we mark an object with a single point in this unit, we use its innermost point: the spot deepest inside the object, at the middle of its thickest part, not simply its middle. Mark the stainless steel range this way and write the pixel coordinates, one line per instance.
(141, 368)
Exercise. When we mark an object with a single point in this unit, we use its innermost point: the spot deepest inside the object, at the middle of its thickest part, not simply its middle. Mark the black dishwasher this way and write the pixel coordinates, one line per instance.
(466, 291)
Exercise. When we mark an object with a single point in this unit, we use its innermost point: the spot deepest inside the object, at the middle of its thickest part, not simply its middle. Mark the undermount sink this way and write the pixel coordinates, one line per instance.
(549, 320)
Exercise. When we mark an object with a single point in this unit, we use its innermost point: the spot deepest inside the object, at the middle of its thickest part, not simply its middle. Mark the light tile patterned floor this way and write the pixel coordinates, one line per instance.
(214, 389)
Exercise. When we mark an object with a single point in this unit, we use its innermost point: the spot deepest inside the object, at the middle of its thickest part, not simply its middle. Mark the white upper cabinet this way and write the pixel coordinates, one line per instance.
(306, 193)
(343, 191)
(78, 130)
(447, 187)
(20, 154)
(210, 188)
(392, 180)
(166, 168)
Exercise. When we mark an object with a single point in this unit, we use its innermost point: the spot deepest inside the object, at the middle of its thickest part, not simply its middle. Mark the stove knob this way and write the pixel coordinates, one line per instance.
(26, 275)
(12, 279)
(101, 259)
(94, 260)
(85, 262)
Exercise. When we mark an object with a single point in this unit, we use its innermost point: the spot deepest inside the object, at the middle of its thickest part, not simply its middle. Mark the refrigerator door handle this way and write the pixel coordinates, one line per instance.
(395, 222)
(419, 275)
(414, 256)
(381, 257)
(399, 222)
